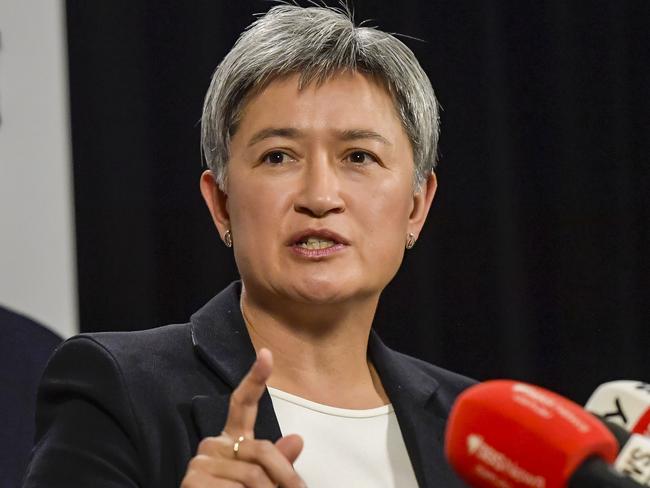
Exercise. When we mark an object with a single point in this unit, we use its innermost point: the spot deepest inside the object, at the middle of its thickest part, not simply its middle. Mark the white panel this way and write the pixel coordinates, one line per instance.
(37, 257)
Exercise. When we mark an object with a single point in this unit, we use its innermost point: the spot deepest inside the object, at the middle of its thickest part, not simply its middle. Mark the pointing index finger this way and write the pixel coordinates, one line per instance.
(244, 400)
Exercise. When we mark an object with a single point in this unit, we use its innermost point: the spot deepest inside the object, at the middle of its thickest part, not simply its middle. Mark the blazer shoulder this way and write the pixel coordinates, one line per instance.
(133, 339)
(155, 356)
(444, 376)
(448, 383)
(418, 376)
(166, 341)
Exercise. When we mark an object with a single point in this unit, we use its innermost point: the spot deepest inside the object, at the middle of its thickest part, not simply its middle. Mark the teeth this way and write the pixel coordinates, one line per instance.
(315, 243)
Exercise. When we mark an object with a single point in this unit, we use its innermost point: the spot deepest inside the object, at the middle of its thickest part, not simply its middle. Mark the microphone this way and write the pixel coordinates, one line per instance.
(633, 460)
(508, 434)
(624, 402)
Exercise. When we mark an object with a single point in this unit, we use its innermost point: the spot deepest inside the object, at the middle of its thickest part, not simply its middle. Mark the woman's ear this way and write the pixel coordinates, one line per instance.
(422, 203)
(216, 200)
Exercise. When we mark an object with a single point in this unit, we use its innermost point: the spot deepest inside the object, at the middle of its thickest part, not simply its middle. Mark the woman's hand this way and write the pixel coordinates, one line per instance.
(257, 463)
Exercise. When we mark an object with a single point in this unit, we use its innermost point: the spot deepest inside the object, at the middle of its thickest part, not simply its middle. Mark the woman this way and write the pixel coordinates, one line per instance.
(321, 140)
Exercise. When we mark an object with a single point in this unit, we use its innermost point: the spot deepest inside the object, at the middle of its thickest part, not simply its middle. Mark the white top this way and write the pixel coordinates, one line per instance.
(360, 448)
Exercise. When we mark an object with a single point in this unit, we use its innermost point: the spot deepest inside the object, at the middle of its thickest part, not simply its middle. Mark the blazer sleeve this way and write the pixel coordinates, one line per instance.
(86, 430)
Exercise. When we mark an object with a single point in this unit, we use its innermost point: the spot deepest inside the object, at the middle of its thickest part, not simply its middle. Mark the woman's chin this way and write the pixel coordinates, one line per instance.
(322, 291)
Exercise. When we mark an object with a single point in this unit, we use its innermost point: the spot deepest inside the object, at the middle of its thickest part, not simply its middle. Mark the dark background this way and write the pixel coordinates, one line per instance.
(534, 263)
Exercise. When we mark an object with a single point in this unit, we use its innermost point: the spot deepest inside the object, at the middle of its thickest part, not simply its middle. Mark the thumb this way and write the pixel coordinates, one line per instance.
(290, 446)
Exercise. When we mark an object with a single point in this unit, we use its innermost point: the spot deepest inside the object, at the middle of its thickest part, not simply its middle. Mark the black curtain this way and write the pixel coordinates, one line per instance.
(534, 262)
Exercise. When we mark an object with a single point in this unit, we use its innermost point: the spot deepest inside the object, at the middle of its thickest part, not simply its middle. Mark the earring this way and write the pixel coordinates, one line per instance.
(227, 238)
(410, 240)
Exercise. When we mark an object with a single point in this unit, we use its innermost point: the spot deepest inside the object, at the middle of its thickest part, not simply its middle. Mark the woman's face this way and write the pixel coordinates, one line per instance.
(319, 195)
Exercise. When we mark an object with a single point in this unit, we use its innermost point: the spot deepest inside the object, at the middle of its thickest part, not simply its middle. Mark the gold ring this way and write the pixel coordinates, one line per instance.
(235, 446)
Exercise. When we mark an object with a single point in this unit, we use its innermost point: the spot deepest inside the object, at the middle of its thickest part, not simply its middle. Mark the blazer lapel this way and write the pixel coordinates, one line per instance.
(221, 340)
(422, 422)
(210, 414)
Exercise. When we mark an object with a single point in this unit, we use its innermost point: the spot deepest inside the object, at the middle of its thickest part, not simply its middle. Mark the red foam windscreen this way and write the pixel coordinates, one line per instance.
(642, 425)
(510, 434)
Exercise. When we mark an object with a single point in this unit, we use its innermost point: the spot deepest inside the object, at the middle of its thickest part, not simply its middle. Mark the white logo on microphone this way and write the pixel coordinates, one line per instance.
(476, 446)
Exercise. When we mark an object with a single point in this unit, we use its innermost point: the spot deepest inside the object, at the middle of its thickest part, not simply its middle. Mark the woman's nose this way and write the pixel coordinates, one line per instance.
(320, 189)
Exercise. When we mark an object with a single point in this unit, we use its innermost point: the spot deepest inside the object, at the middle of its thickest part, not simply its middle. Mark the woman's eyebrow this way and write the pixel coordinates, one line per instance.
(356, 134)
(289, 132)
(293, 133)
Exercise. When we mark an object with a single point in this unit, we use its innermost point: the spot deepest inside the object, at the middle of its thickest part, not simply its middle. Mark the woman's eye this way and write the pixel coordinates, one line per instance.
(361, 157)
(275, 157)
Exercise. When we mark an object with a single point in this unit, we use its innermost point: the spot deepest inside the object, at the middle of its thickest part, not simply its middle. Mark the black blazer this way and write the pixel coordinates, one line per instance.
(127, 409)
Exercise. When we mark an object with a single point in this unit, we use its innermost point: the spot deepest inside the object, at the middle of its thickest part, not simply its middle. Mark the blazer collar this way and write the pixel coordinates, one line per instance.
(422, 420)
(398, 373)
(220, 338)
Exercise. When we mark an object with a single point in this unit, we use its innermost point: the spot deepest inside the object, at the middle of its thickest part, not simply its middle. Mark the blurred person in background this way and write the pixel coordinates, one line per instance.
(25, 346)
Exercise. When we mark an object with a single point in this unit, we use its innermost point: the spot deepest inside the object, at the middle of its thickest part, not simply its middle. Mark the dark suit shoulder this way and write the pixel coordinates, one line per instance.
(118, 397)
(450, 384)
(404, 376)
(444, 376)
(156, 365)
(84, 413)
(133, 342)
(128, 355)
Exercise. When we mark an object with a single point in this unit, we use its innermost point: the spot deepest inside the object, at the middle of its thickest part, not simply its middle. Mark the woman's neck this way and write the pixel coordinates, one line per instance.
(319, 353)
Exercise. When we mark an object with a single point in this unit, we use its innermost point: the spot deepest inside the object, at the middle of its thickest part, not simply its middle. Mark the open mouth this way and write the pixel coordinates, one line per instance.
(315, 243)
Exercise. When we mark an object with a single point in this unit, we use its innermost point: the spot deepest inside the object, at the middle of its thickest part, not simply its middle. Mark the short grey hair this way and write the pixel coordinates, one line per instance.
(317, 43)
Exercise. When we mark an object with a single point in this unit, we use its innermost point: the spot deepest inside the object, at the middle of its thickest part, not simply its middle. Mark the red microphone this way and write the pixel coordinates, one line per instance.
(511, 434)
